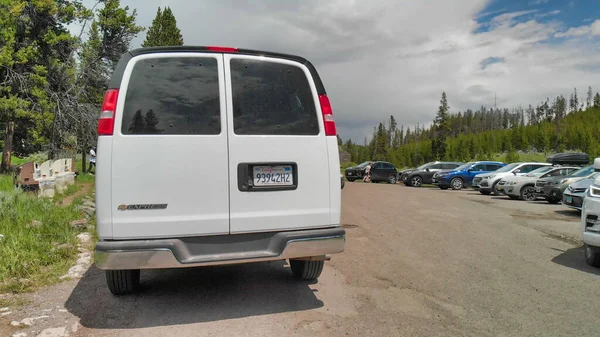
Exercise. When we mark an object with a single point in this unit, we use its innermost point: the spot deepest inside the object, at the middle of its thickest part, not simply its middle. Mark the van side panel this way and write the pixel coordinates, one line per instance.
(103, 191)
(335, 191)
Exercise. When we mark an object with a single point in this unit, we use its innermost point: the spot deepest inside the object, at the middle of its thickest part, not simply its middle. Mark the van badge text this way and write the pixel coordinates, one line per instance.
(142, 206)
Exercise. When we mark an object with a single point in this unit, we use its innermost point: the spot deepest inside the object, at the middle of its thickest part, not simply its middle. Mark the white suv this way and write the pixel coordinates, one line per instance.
(590, 220)
(211, 156)
(486, 183)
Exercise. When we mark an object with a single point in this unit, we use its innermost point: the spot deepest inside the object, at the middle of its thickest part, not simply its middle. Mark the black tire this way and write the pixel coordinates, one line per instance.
(351, 180)
(443, 188)
(495, 189)
(392, 179)
(122, 282)
(457, 184)
(485, 192)
(552, 201)
(592, 255)
(528, 193)
(416, 181)
(513, 197)
(306, 270)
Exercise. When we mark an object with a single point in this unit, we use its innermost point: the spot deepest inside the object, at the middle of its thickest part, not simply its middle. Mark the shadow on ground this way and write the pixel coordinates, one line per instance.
(191, 295)
(569, 212)
(575, 258)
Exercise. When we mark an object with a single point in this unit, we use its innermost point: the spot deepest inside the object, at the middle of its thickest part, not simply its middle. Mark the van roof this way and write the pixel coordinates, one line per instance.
(115, 81)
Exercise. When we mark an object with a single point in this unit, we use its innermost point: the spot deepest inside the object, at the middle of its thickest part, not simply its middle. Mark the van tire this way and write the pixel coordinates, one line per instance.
(122, 282)
(306, 270)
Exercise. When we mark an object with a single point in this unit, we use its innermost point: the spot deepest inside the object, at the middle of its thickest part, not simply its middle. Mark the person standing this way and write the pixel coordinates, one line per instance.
(92, 158)
(367, 177)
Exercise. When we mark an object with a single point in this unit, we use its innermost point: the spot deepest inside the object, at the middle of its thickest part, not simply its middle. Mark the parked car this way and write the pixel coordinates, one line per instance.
(403, 173)
(590, 221)
(574, 195)
(268, 193)
(463, 175)
(356, 172)
(552, 188)
(523, 187)
(486, 183)
(384, 171)
(417, 178)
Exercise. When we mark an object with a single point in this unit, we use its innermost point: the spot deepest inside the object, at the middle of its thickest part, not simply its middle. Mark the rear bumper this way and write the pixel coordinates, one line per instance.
(218, 250)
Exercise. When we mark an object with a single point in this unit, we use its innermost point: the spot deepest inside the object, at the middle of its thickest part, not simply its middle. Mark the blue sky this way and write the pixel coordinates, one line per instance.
(569, 13)
(395, 57)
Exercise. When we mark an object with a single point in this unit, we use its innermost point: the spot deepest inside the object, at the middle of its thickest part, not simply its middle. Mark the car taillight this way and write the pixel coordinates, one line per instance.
(327, 116)
(106, 123)
(222, 49)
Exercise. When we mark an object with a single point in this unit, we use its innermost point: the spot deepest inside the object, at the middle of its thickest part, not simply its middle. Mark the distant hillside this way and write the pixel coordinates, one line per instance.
(550, 127)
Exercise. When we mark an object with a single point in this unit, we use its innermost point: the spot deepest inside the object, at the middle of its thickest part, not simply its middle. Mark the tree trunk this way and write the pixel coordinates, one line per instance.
(7, 151)
(83, 163)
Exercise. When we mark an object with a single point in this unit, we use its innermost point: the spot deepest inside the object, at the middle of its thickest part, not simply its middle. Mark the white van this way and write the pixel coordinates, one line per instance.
(211, 156)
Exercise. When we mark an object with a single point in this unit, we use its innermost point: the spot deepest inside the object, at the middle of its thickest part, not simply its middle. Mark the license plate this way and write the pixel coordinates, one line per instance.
(569, 199)
(273, 175)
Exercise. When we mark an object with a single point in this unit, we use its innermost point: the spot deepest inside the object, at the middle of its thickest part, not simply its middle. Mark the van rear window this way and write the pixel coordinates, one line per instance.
(271, 99)
(173, 96)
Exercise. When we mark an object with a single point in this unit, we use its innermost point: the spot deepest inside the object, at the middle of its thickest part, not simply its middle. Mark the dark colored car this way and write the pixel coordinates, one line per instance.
(356, 172)
(424, 175)
(552, 188)
(404, 173)
(384, 171)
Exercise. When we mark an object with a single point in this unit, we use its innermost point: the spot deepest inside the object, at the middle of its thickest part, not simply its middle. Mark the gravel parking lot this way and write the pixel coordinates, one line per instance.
(419, 262)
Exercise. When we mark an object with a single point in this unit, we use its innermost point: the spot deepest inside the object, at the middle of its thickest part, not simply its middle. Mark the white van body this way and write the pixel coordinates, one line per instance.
(210, 155)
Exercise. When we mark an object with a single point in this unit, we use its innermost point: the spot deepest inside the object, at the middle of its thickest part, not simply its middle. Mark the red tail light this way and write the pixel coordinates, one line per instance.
(222, 49)
(327, 116)
(106, 123)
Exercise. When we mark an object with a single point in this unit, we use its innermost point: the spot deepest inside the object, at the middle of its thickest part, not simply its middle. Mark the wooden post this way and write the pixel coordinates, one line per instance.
(8, 146)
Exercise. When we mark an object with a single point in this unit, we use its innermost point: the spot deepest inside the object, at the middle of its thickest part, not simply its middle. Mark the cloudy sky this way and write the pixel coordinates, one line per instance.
(395, 57)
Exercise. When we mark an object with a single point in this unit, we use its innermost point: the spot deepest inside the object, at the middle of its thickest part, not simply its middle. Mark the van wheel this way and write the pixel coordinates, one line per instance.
(306, 270)
(592, 255)
(122, 282)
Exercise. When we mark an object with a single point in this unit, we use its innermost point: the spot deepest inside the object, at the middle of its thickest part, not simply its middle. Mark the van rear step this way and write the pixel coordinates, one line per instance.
(219, 250)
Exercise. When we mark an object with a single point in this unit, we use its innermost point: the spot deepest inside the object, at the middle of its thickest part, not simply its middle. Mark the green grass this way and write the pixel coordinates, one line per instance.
(524, 157)
(31, 256)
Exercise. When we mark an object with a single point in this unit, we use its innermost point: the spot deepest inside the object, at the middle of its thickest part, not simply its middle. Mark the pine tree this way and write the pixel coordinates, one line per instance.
(164, 30)
(597, 100)
(151, 121)
(590, 98)
(441, 129)
(138, 125)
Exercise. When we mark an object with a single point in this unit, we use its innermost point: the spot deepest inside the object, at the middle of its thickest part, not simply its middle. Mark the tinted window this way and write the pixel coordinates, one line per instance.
(271, 99)
(173, 96)
(478, 167)
(389, 166)
(527, 168)
(435, 167)
(377, 165)
(449, 166)
(492, 167)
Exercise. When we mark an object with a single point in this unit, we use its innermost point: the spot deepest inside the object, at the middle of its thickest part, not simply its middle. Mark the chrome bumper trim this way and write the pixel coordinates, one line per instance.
(159, 258)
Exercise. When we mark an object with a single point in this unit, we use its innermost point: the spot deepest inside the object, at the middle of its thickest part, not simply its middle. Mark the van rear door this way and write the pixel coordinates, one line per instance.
(169, 152)
(279, 155)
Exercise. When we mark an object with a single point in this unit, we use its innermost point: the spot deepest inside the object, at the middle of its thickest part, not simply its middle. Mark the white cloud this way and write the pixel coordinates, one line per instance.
(383, 57)
(591, 29)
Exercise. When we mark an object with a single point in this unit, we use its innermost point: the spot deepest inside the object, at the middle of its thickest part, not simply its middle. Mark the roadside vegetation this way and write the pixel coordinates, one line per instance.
(38, 242)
